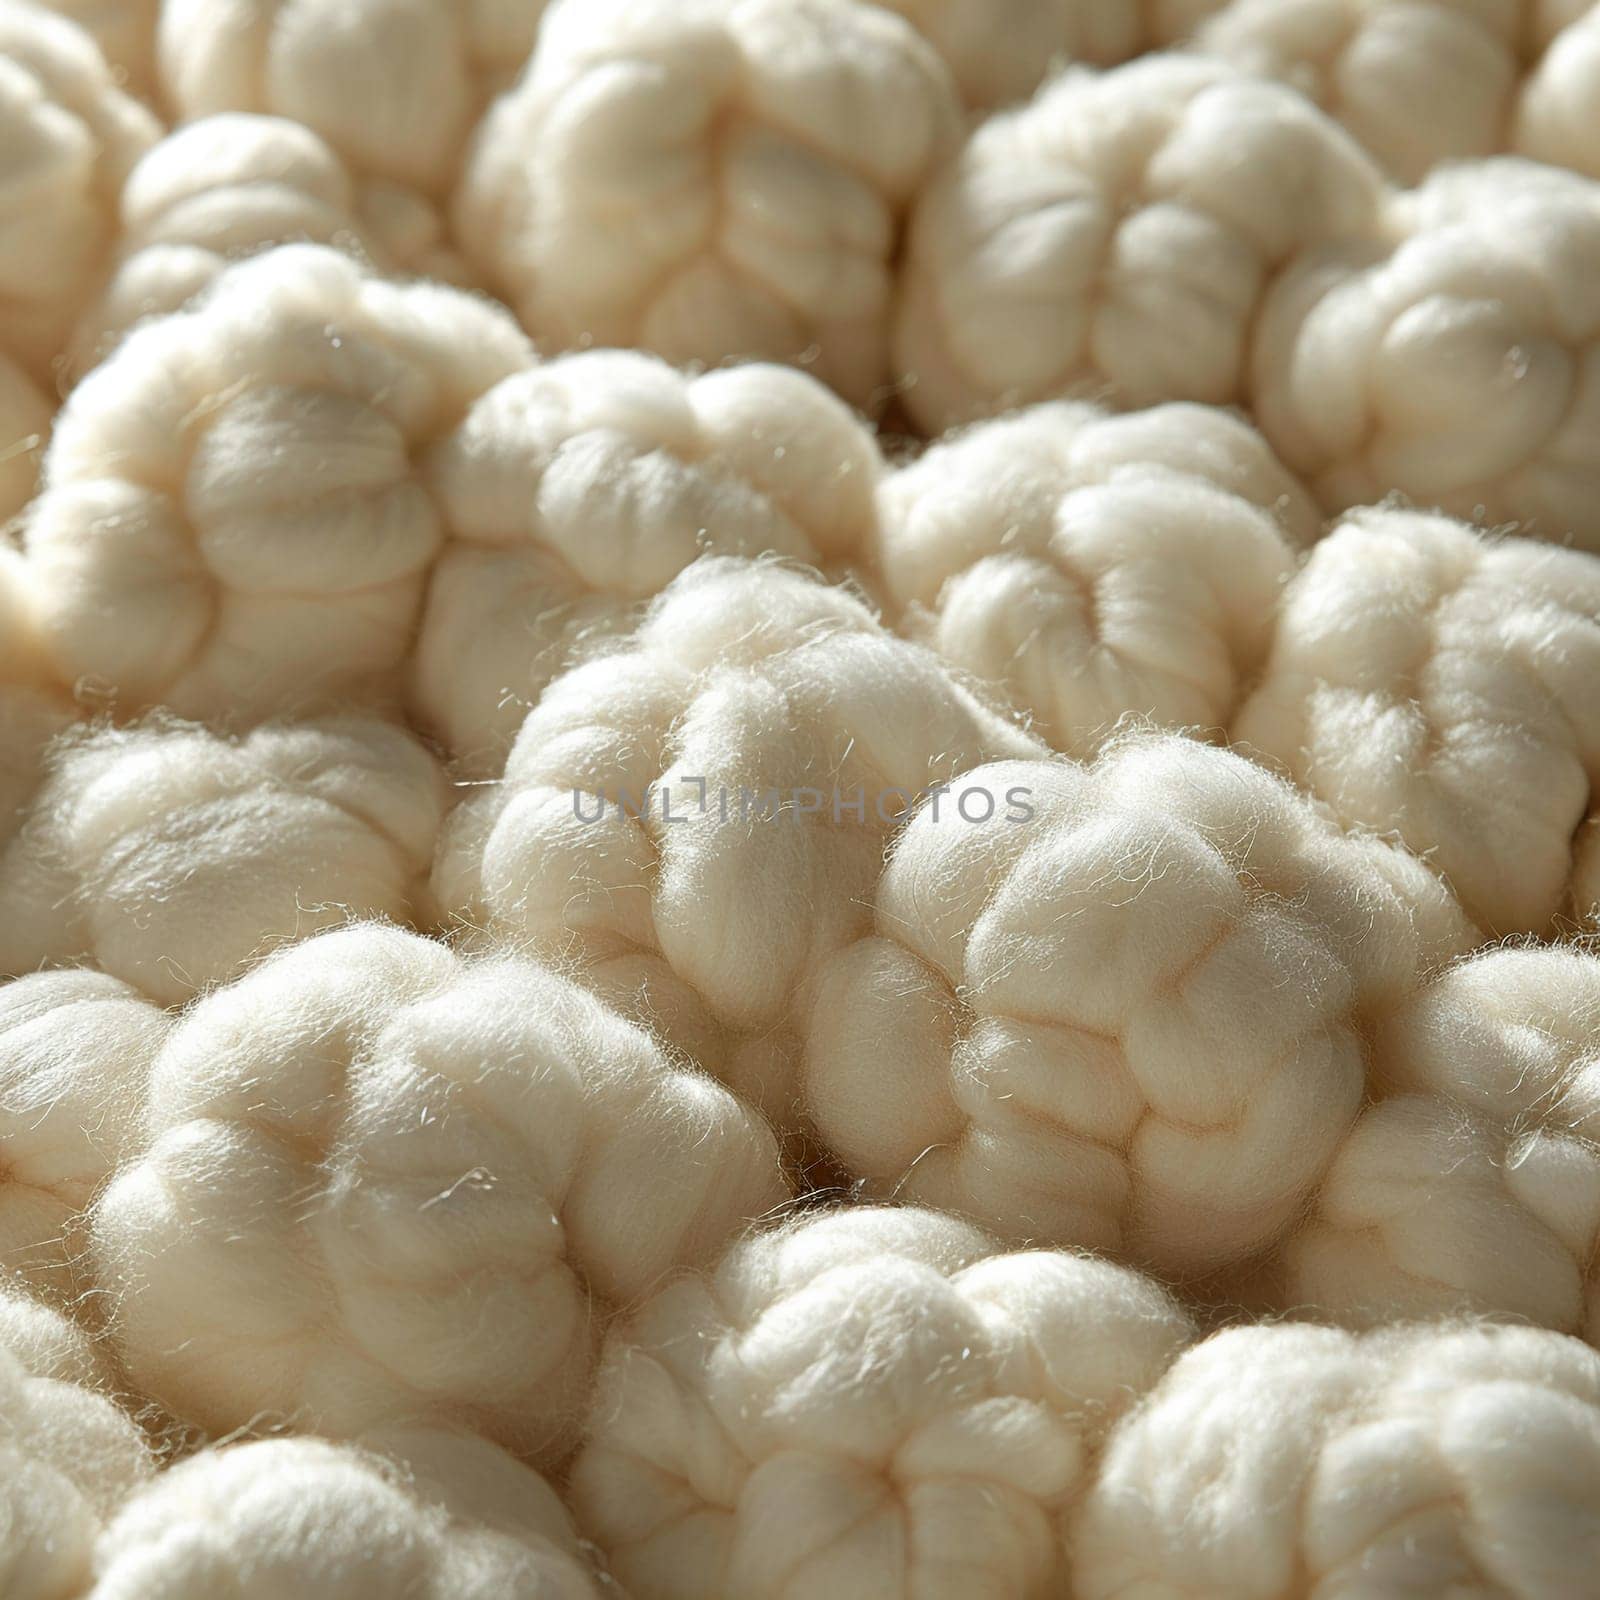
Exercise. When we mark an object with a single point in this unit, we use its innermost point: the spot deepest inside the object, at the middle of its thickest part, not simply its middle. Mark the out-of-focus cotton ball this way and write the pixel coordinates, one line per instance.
(125, 31)
(426, 1514)
(1558, 115)
(68, 138)
(1124, 1006)
(1093, 566)
(1432, 683)
(875, 1405)
(233, 522)
(173, 857)
(383, 1183)
(575, 491)
(711, 178)
(25, 416)
(1116, 235)
(697, 821)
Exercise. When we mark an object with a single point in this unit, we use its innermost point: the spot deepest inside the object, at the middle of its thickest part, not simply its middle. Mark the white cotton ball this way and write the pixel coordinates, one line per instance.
(1458, 369)
(1123, 1006)
(1093, 566)
(1433, 683)
(1558, 112)
(711, 178)
(172, 857)
(697, 821)
(68, 137)
(425, 1514)
(1116, 235)
(25, 417)
(384, 1183)
(575, 491)
(125, 30)
(874, 1405)
(233, 522)
(1284, 1461)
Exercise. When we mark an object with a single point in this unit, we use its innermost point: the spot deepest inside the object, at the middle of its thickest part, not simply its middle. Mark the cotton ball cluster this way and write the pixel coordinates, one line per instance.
(711, 178)
(876, 1404)
(384, 1183)
(697, 821)
(427, 1514)
(171, 856)
(1432, 682)
(577, 490)
(1282, 1461)
(1122, 1006)
(1116, 235)
(233, 522)
(1095, 566)
(25, 416)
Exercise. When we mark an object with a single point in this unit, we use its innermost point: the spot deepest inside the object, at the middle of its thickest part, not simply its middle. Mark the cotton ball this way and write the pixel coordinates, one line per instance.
(1558, 113)
(1115, 236)
(68, 137)
(125, 31)
(233, 522)
(171, 856)
(696, 822)
(575, 491)
(260, 1520)
(1281, 1461)
(875, 1403)
(25, 415)
(711, 178)
(1094, 566)
(384, 1183)
(1122, 1006)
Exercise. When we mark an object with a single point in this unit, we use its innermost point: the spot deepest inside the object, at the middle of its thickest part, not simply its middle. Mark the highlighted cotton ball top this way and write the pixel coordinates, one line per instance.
(711, 178)
(1116, 235)
(384, 1183)
(875, 1405)
(577, 490)
(1135, 1020)
(1095, 566)
(1278, 1462)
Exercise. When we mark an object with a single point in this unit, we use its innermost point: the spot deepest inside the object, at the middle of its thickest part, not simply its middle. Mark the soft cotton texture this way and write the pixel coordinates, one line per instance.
(873, 1405)
(711, 178)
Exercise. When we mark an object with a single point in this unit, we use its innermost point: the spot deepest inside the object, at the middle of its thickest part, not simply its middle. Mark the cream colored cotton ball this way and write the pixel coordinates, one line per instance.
(423, 1514)
(1433, 683)
(1123, 1006)
(173, 857)
(233, 522)
(711, 178)
(1093, 566)
(577, 490)
(25, 415)
(1115, 235)
(1558, 113)
(697, 821)
(68, 137)
(876, 1405)
(385, 1183)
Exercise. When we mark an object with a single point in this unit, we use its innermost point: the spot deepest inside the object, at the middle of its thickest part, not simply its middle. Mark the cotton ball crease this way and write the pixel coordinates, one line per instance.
(1280, 1461)
(383, 1184)
(876, 1404)
(233, 522)
(696, 822)
(1094, 566)
(25, 415)
(711, 178)
(34, 706)
(577, 490)
(1432, 682)
(1115, 236)
(1123, 1006)
(172, 857)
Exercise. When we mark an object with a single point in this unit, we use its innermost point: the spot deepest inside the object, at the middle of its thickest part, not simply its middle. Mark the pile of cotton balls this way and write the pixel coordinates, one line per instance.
(799, 798)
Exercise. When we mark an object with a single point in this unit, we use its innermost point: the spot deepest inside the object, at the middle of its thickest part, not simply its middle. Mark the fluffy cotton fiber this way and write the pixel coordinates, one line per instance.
(1135, 1022)
(1428, 681)
(876, 1405)
(172, 857)
(711, 178)
(1115, 235)
(575, 491)
(1093, 566)
(1279, 1462)
(383, 1183)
